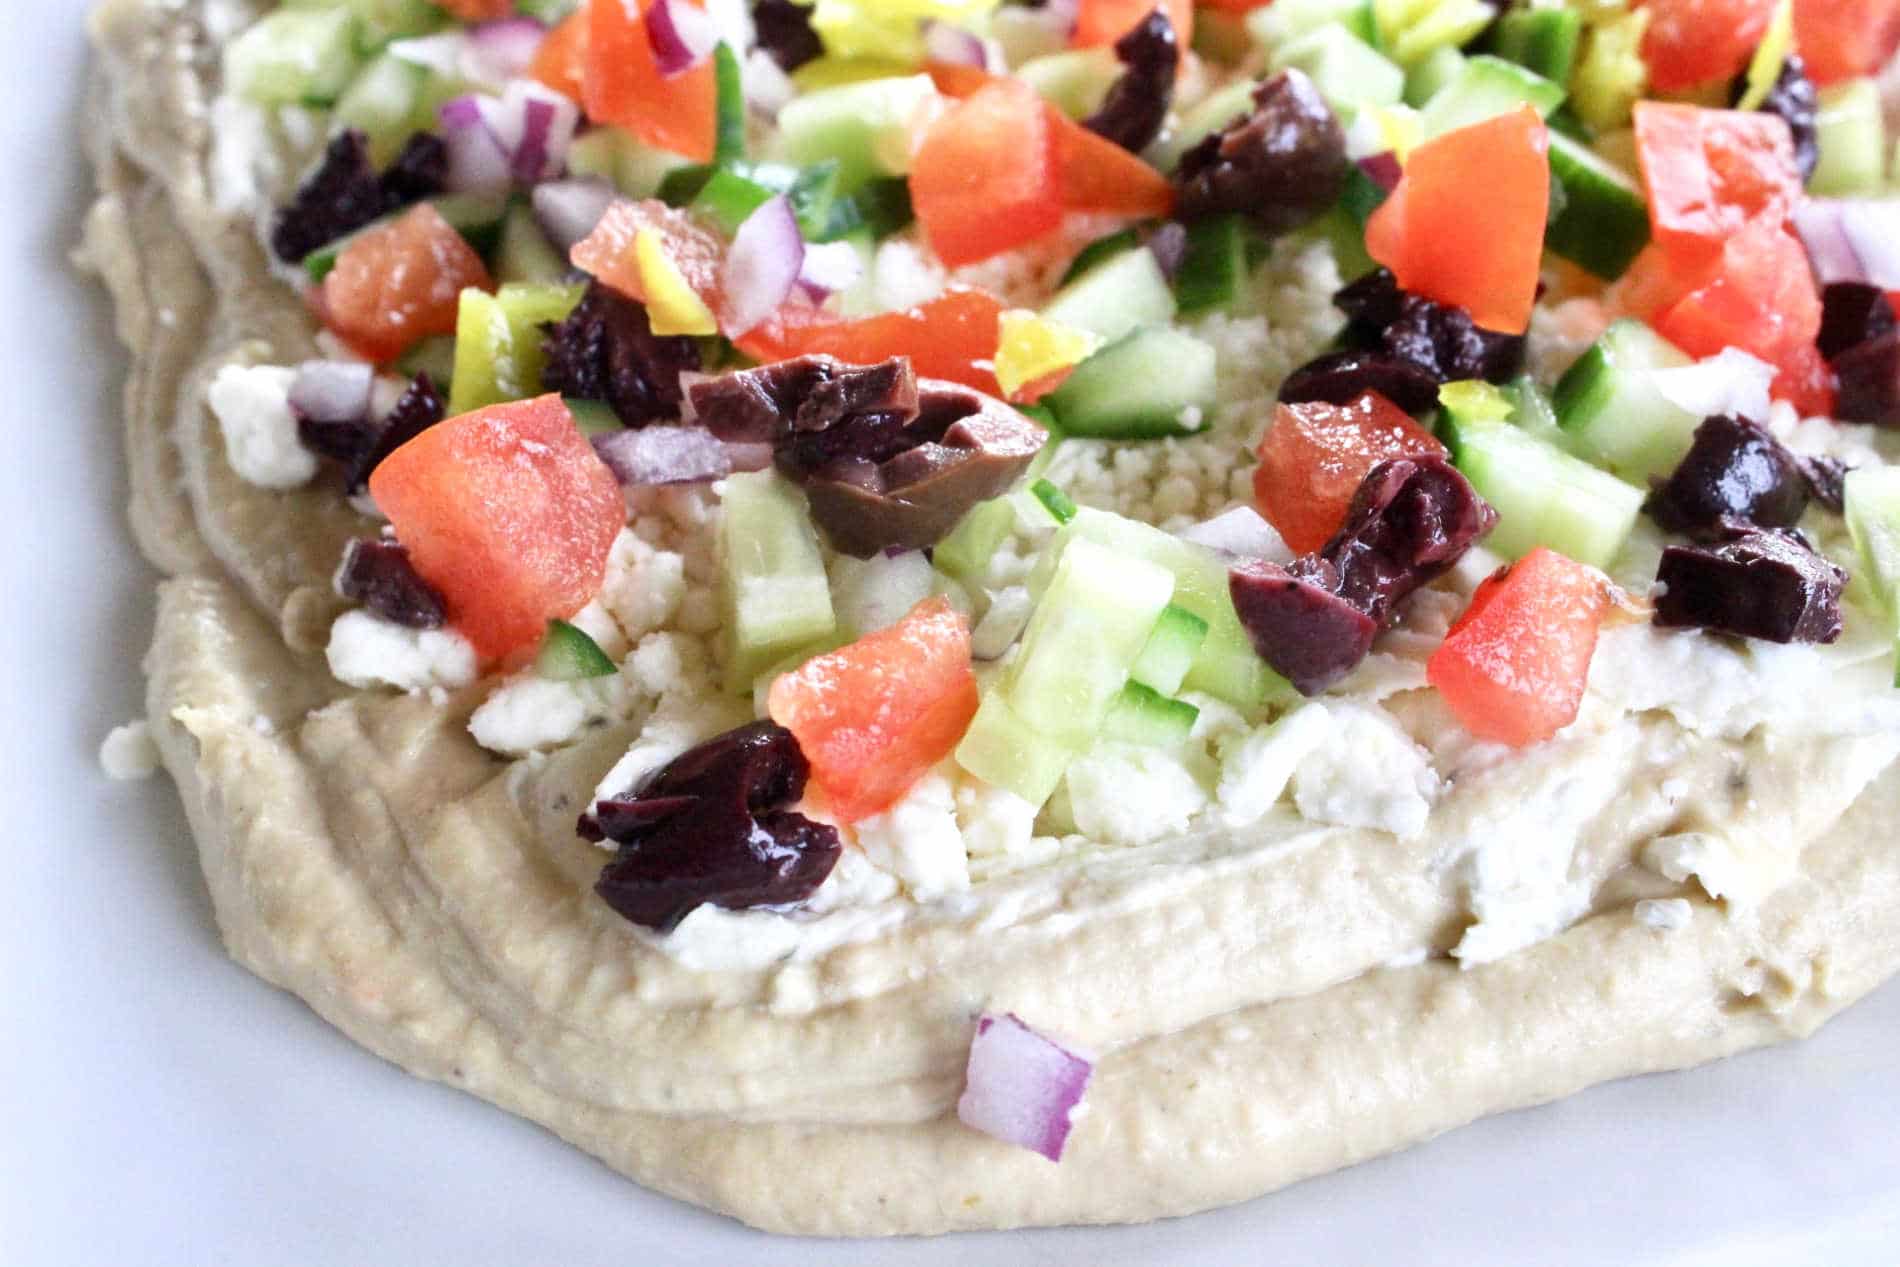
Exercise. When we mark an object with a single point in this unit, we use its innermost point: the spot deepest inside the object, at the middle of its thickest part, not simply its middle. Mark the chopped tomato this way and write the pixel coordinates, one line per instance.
(1095, 174)
(874, 716)
(508, 512)
(953, 336)
(400, 282)
(1845, 39)
(1315, 455)
(983, 179)
(561, 61)
(1105, 21)
(1694, 42)
(608, 253)
(1709, 172)
(1465, 225)
(1653, 281)
(477, 10)
(1806, 381)
(954, 79)
(622, 84)
(1514, 666)
(1760, 297)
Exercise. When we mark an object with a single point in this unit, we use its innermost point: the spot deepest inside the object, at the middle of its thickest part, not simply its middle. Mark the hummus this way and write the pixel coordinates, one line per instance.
(1295, 945)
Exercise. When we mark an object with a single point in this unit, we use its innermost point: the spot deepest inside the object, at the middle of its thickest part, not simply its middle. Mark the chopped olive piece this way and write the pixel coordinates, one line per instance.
(418, 409)
(1851, 314)
(1795, 101)
(1339, 378)
(606, 350)
(1137, 103)
(1757, 583)
(345, 192)
(379, 575)
(1283, 165)
(1439, 339)
(1868, 376)
(1734, 470)
(785, 32)
(1298, 622)
(1827, 480)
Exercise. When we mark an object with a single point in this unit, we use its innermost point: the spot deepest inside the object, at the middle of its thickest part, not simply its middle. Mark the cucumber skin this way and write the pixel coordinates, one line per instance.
(1103, 397)
(1613, 415)
(567, 654)
(1164, 662)
(1604, 224)
(1142, 715)
(1544, 496)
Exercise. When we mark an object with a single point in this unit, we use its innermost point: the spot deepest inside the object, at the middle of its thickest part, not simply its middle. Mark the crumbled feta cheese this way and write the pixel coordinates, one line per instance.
(1665, 915)
(241, 153)
(252, 405)
(1124, 795)
(995, 820)
(529, 712)
(1256, 765)
(129, 752)
(918, 841)
(1366, 772)
(643, 586)
(367, 651)
(1002, 624)
(855, 881)
(1715, 863)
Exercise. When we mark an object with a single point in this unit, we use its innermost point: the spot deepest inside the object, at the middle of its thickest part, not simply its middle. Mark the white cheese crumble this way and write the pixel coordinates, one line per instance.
(996, 822)
(918, 840)
(252, 405)
(129, 752)
(1664, 914)
(366, 651)
(1365, 771)
(1124, 795)
(1714, 863)
(530, 713)
(1256, 765)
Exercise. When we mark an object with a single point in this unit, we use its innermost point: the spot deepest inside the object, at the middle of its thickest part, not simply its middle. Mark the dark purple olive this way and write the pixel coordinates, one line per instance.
(1439, 339)
(345, 192)
(1735, 470)
(379, 575)
(1340, 377)
(712, 827)
(1827, 480)
(1795, 101)
(784, 28)
(1313, 621)
(1137, 103)
(606, 350)
(1371, 303)
(1868, 380)
(420, 170)
(1851, 314)
(419, 407)
(1757, 583)
(1283, 164)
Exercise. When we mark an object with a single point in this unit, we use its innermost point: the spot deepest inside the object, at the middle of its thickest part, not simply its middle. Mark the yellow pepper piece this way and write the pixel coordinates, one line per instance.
(1399, 129)
(1770, 56)
(890, 29)
(1032, 347)
(673, 307)
(1473, 400)
(833, 72)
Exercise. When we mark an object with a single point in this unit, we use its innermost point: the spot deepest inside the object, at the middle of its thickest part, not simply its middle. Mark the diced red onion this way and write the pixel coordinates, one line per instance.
(332, 391)
(949, 43)
(1383, 169)
(478, 161)
(682, 34)
(539, 127)
(1731, 382)
(673, 455)
(568, 210)
(487, 56)
(1020, 1087)
(1852, 239)
(1241, 533)
(767, 87)
(762, 265)
(829, 267)
(877, 592)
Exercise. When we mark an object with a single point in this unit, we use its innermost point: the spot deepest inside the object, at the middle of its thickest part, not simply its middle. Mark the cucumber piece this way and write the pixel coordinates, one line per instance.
(966, 553)
(1410, 30)
(1432, 75)
(1487, 87)
(1852, 138)
(385, 104)
(1348, 72)
(775, 598)
(434, 356)
(1170, 650)
(1214, 268)
(477, 217)
(1207, 116)
(1362, 196)
(1614, 413)
(615, 156)
(1543, 496)
(1873, 521)
(1074, 81)
(567, 654)
(729, 106)
(1052, 499)
(1604, 223)
(724, 196)
(524, 254)
(1157, 381)
(1115, 297)
(865, 126)
(1279, 24)
(1543, 41)
(1001, 749)
(293, 57)
(1225, 666)
(1089, 626)
(879, 207)
(593, 417)
(380, 21)
(1100, 251)
(1533, 413)
(498, 353)
(1144, 716)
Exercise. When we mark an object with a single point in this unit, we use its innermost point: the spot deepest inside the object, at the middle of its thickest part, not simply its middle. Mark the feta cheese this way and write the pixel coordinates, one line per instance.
(529, 713)
(1665, 915)
(1364, 771)
(1256, 765)
(129, 752)
(643, 585)
(918, 840)
(366, 651)
(1124, 795)
(995, 821)
(1714, 863)
(252, 405)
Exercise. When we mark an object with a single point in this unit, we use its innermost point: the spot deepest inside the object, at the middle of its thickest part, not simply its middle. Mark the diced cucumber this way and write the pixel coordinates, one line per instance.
(966, 553)
(1208, 115)
(434, 356)
(380, 21)
(1432, 75)
(880, 207)
(1612, 409)
(293, 57)
(1115, 297)
(1275, 26)
(1533, 413)
(498, 353)
(384, 103)
(775, 597)
(1144, 716)
(525, 254)
(1873, 520)
(1089, 626)
(1155, 382)
(724, 196)
(1169, 653)
(1225, 666)
(1100, 251)
(1543, 41)
(1605, 221)
(1348, 72)
(1214, 267)
(1853, 140)
(865, 126)
(1543, 496)
(568, 655)
(1409, 30)
(1060, 506)
(1487, 87)
(593, 417)
(1001, 749)
(729, 108)
(1075, 81)
(613, 155)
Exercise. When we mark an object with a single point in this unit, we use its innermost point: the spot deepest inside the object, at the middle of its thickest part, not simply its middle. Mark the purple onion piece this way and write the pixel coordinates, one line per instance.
(478, 161)
(828, 268)
(664, 455)
(949, 43)
(379, 575)
(502, 50)
(1756, 583)
(568, 210)
(1383, 170)
(1022, 1087)
(1168, 245)
(1852, 240)
(682, 36)
(332, 391)
(762, 265)
(531, 157)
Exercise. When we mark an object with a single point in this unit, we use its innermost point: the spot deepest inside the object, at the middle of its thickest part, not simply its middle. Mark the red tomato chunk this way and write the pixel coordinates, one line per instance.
(398, 283)
(1315, 455)
(983, 179)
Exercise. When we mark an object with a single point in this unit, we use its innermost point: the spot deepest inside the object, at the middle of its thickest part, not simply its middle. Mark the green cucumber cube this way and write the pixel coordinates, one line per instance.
(1115, 296)
(1604, 222)
(1074, 81)
(385, 104)
(1544, 496)
(1487, 87)
(865, 127)
(1853, 140)
(1001, 749)
(1214, 268)
(524, 254)
(1142, 715)
(1348, 72)
(293, 57)
(1541, 40)
(1873, 520)
(1613, 411)
(567, 654)
(1170, 650)
(1158, 381)
(774, 594)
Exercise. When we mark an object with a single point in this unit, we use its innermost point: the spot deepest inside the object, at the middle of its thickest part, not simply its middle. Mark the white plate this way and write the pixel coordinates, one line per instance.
(159, 1106)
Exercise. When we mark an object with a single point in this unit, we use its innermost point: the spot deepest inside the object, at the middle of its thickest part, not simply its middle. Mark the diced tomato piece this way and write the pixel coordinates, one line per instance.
(1807, 382)
(1105, 21)
(1694, 42)
(874, 716)
(400, 282)
(622, 84)
(983, 180)
(1514, 666)
(1095, 174)
(607, 253)
(1844, 39)
(508, 512)
(1315, 455)
(954, 337)
(954, 79)
(1760, 298)
(1709, 172)
(477, 10)
(561, 61)
(1653, 282)
(1465, 225)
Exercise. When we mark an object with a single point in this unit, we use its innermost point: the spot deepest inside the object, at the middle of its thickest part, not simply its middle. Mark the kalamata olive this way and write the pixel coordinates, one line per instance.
(360, 444)
(1735, 470)
(1283, 164)
(379, 575)
(1340, 377)
(784, 29)
(1756, 583)
(1137, 103)
(712, 827)
(1795, 101)
(1297, 621)
(1439, 339)
(1868, 381)
(1827, 480)
(345, 192)
(606, 350)
(420, 170)
(1851, 314)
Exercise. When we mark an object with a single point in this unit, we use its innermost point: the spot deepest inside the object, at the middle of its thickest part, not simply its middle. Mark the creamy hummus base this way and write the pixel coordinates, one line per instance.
(1268, 1004)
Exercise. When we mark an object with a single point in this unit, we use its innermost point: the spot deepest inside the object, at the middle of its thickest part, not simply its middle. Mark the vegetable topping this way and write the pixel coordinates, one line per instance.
(606, 350)
(379, 575)
(345, 192)
(1315, 455)
(1734, 471)
(1137, 105)
(1282, 164)
(1756, 583)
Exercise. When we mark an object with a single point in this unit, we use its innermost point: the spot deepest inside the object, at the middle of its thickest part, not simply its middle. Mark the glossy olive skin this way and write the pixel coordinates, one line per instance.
(606, 350)
(1338, 378)
(1282, 165)
(1755, 583)
(379, 575)
(1735, 470)
(1137, 103)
